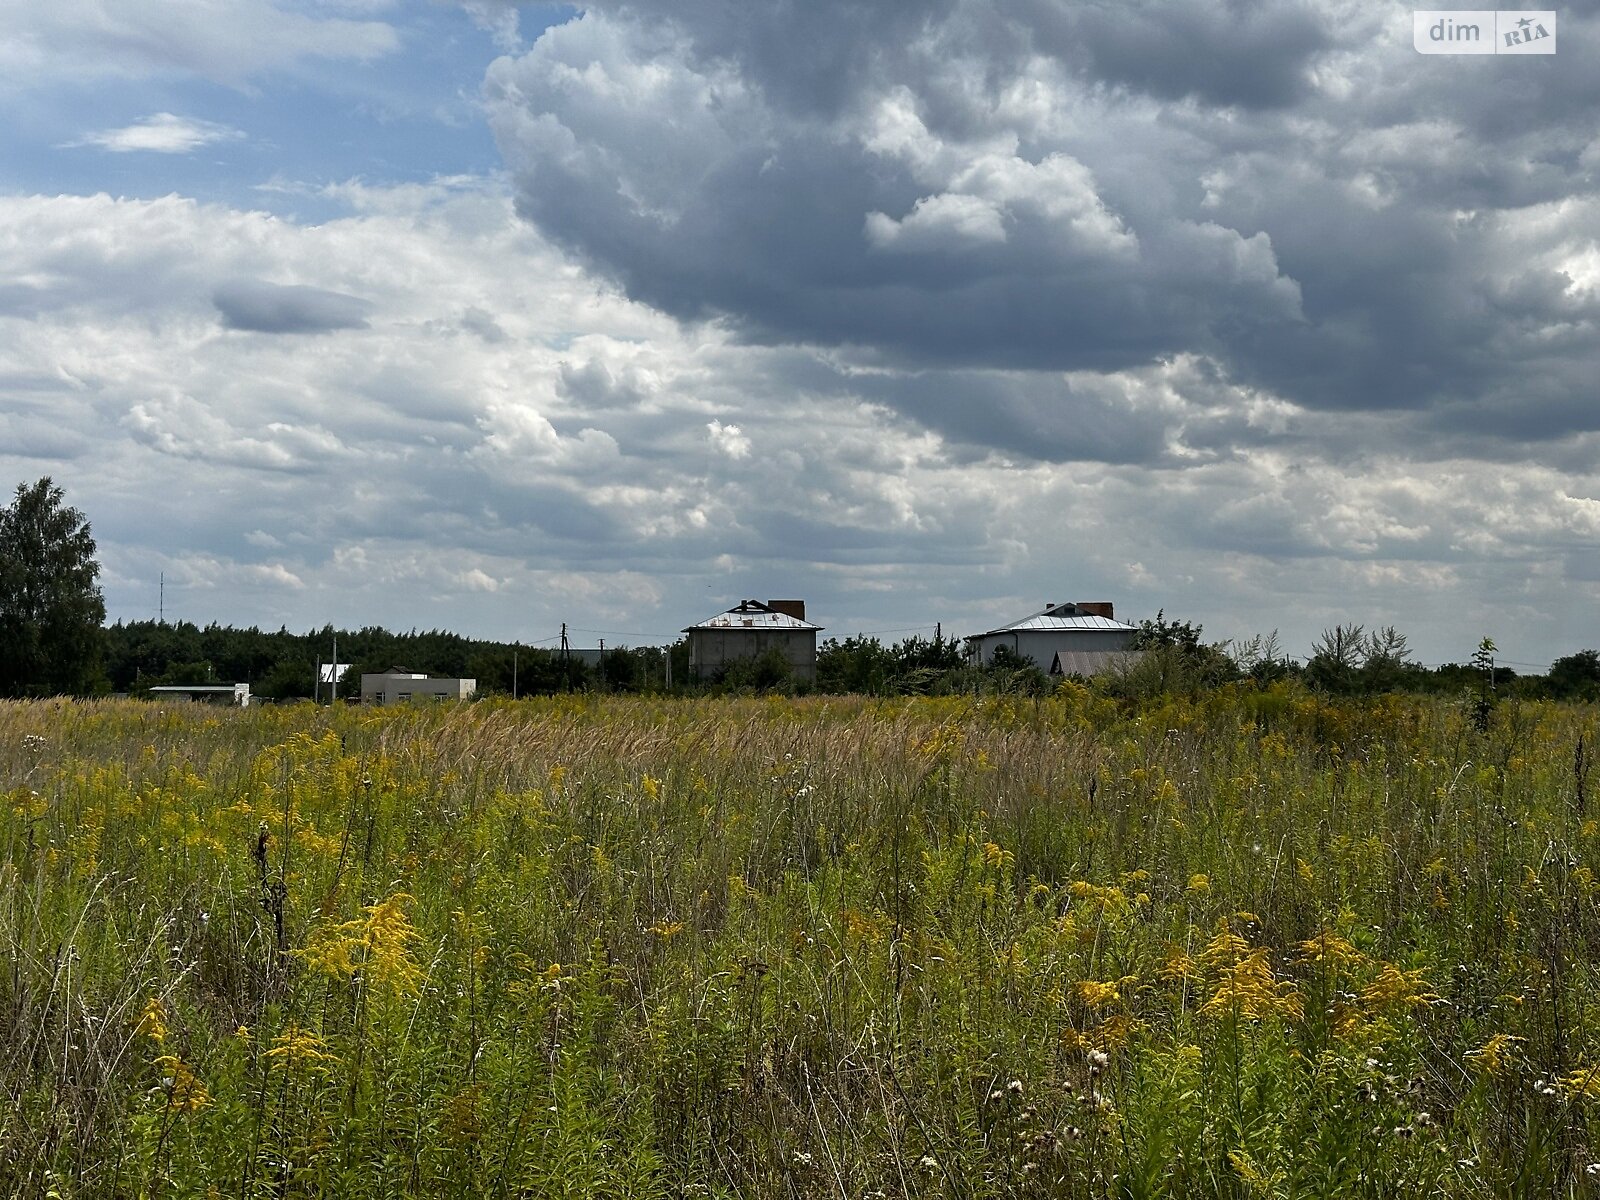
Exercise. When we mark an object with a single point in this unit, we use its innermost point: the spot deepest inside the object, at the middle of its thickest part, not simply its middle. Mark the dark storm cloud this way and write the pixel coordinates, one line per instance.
(1288, 192)
(810, 56)
(592, 386)
(1038, 418)
(260, 307)
(704, 198)
(1236, 52)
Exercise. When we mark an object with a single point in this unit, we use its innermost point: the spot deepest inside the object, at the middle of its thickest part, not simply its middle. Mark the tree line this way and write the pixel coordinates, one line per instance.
(54, 641)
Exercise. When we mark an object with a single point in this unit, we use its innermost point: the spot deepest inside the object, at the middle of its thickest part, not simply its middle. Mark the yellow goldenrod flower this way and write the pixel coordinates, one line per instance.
(1583, 1083)
(1225, 947)
(1496, 1054)
(185, 1090)
(1096, 994)
(1249, 989)
(1394, 988)
(1328, 947)
(297, 1047)
(378, 946)
(152, 1021)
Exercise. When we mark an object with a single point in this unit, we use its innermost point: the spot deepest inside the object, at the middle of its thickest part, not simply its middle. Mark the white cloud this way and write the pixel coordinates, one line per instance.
(729, 439)
(600, 463)
(160, 133)
(478, 580)
(229, 41)
(274, 575)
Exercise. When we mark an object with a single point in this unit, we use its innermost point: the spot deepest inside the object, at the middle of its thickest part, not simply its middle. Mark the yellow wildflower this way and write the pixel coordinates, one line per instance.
(1394, 988)
(1496, 1054)
(1328, 947)
(1249, 989)
(1177, 965)
(1584, 1083)
(185, 1090)
(153, 1020)
(1114, 1032)
(299, 1047)
(1225, 947)
(1096, 994)
(378, 946)
(1199, 883)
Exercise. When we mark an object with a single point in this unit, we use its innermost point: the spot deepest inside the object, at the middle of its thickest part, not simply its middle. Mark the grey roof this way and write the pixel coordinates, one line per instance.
(752, 614)
(1046, 620)
(1093, 662)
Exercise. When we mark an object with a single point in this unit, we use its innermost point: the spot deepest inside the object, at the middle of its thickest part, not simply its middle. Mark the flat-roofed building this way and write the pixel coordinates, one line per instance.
(229, 695)
(399, 686)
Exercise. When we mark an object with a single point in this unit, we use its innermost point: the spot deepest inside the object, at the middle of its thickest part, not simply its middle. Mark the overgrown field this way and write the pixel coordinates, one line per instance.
(1255, 944)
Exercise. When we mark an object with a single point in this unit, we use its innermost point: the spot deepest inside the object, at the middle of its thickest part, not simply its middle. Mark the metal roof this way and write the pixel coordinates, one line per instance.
(752, 614)
(1046, 621)
(1093, 662)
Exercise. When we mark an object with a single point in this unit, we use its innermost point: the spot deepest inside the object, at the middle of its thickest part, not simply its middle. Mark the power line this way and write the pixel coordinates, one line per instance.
(620, 632)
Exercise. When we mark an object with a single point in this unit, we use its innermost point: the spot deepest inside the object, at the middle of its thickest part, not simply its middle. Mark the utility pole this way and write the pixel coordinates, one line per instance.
(161, 610)
(566, 657)
(514, 649)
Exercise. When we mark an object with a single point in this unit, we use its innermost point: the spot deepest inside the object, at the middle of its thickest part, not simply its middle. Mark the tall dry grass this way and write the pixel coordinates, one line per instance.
(1253, 944)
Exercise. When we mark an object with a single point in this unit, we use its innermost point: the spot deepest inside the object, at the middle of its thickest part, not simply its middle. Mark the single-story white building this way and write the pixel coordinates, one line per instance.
(398, 686)
(231, 695)
(1079, 638)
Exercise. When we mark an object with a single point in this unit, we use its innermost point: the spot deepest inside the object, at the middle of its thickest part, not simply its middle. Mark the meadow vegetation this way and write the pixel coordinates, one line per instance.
(1254, 942)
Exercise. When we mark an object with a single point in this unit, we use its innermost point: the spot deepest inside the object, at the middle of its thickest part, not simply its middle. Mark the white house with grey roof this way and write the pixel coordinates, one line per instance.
(750, 629)
(1078, 638)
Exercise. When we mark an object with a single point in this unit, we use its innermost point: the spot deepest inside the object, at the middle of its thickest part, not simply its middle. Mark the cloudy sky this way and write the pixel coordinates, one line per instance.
(487, 317)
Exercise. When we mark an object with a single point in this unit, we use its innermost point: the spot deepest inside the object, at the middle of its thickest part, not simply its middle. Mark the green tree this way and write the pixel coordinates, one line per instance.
(1174, 660)
(1335, 659)
(51, 610)
(1576, 676)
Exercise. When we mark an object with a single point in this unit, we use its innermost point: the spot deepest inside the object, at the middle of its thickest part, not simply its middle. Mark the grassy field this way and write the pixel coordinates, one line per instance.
(1256, 944)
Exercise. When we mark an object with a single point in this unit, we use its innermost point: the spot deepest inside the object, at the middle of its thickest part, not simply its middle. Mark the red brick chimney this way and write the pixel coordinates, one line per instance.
(1096, 608)
(789, 608)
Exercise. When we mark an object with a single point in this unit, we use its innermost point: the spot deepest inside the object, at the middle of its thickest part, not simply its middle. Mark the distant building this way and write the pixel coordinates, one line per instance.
(1081, 638)
(399, 686)
(230, 695)
(749, 630)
